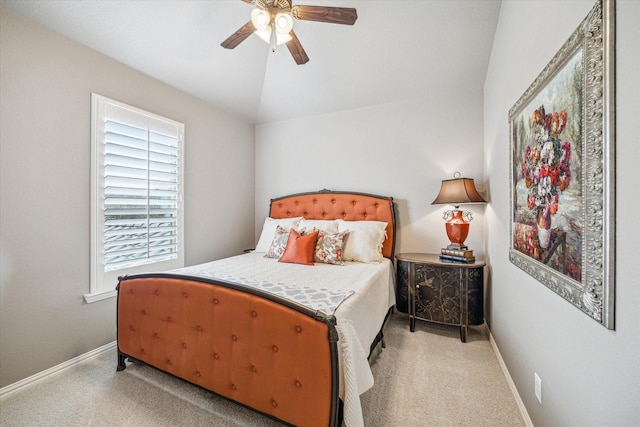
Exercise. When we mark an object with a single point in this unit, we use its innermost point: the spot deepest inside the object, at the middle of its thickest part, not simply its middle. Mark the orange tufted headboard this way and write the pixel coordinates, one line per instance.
(349, 206)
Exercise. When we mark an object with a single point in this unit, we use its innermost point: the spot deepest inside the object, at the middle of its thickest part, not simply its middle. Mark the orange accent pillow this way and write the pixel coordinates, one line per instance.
(300, 248)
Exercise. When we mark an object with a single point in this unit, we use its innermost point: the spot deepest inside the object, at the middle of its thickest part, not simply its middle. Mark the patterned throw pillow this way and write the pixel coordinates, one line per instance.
(278, 243)
(330, 247)
(269, 229)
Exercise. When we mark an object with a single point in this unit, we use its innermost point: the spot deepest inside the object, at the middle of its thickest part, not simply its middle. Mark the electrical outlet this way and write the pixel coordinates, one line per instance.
(537, 387)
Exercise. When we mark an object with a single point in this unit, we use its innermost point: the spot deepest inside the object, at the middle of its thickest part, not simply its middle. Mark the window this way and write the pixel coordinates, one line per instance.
(137, 209)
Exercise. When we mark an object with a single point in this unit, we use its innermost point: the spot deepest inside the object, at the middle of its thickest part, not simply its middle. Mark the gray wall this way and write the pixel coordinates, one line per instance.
(403, 149)
(46, 82)
(590, 375)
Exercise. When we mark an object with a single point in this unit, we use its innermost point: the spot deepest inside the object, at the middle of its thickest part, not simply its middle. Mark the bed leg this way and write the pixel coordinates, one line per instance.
(121, 363)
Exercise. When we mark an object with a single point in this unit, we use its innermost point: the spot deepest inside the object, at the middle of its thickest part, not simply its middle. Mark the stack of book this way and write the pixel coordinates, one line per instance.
(455, 253)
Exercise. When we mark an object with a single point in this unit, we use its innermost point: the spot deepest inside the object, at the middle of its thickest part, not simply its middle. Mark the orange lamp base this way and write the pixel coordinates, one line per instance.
(457, 228)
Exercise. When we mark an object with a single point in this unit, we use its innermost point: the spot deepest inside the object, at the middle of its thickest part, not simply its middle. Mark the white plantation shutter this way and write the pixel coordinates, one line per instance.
(140, 196)
(137, 213)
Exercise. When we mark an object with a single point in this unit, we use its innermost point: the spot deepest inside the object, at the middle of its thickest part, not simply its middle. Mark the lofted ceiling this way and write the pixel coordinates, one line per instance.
(396, 50)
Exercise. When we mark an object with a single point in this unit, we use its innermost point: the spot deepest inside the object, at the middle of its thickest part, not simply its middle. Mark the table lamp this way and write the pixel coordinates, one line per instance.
(455, 192)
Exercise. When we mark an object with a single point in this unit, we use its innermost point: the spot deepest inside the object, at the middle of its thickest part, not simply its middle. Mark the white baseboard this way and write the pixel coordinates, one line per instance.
(11, 388)
(512, 385)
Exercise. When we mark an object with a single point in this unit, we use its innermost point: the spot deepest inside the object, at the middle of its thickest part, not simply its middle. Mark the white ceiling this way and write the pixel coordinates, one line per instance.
(396, 50)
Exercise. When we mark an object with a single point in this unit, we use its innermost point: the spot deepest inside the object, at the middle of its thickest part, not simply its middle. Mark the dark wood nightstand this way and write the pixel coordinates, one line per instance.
(449, 293)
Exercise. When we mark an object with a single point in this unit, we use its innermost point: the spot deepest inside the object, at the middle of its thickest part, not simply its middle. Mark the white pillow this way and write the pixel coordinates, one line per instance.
(269, 230)
(328, 226)
(364, 243)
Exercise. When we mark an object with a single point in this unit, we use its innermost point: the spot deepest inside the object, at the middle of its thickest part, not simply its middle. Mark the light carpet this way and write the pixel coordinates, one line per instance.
(425, 378)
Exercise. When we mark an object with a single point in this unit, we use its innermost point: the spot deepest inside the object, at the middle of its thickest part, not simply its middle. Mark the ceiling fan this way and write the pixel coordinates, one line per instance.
(272, 21)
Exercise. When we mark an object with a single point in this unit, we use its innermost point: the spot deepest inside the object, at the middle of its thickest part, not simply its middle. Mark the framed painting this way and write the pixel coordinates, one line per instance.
(562, 170)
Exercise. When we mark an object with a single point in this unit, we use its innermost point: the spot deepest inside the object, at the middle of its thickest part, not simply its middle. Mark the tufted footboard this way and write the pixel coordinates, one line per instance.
(269, 354)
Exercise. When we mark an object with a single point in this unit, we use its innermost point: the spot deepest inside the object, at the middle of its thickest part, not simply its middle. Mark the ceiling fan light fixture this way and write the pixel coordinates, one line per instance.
(284, 23)
(260, 19)
(273, 31)
(266, 36)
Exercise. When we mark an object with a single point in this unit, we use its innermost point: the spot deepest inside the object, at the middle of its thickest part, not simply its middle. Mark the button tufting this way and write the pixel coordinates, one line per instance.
(156, 292)
(155, 335)
(296, 202)
(298, 384)
(315, 201)
(169, 319)
(365, 215)
(169, 362)
(254, 314)
(184, 345)
(233, 387)
(298, 329)
(275, 348)
(279, 205)
(199, 328)
(144, 312)
(216, 301)
(333, 201)
(131, 328)
(253, 368)
(184, 294)
(216, 356)
(274, 403)
(234, 338)
(376, 204)
(198, 374)
(305, 213)
(354, 203)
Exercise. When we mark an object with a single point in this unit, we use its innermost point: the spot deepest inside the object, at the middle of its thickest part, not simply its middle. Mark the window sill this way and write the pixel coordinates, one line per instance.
(99, 296)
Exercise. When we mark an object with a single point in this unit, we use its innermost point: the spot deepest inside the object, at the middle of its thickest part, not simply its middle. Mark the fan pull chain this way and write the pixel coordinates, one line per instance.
(274, 37)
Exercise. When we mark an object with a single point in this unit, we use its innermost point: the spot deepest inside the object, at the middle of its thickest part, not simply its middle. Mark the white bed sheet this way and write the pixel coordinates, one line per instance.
(359, 317)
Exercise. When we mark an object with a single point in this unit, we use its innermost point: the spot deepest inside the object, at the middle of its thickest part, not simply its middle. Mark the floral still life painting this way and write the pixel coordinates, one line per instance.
(548, 181)
(562, 177)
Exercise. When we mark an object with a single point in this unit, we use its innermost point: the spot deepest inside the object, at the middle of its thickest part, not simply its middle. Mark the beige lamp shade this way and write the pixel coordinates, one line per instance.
(458, 191)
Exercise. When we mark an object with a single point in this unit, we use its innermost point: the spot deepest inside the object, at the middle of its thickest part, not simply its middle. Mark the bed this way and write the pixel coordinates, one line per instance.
(260, 329)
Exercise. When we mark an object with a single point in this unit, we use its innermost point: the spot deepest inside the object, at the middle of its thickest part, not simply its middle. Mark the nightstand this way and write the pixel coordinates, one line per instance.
(448, 293)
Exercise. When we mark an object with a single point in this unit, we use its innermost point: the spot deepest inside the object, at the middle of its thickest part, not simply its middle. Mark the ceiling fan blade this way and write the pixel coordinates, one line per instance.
(239, 36)
(296, 49)
(333, 15)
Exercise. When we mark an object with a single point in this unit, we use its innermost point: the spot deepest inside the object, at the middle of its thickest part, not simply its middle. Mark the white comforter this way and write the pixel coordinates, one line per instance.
(369, 293)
